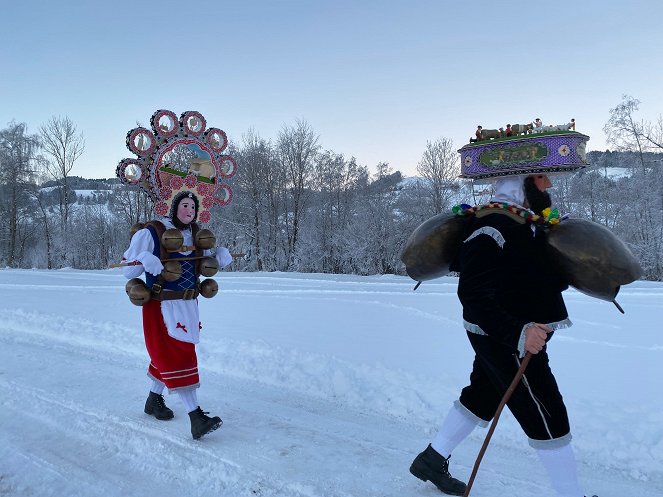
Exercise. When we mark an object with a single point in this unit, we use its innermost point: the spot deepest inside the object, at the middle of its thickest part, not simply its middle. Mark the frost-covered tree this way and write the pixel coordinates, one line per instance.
(439, 166)
(338, 183)
(19, 164)
(259, 187)
(297, 146)
(62, 146)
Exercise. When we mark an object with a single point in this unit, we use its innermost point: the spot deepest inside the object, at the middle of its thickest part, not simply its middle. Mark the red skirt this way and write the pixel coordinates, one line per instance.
(171, 361)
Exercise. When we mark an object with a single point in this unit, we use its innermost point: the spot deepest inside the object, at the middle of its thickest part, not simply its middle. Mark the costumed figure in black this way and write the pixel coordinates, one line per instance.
(515, 256)
(512, 303)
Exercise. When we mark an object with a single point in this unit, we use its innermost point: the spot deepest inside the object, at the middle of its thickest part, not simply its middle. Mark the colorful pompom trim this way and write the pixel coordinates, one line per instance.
(549, 217)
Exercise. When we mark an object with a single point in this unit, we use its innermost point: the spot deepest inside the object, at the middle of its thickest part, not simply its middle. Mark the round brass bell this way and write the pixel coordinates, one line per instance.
(205, 239)
(131, 283)
(140, 294)
(209, 266)
(134, 228)
(209, 288)
(172, 271)
(172, 239)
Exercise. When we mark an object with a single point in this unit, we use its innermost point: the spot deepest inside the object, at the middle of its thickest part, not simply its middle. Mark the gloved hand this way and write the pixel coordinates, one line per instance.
(151, 263)
(223, 256)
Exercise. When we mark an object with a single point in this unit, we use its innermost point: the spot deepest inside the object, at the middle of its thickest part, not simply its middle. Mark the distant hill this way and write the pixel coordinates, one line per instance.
(621, 159)
(78, 183)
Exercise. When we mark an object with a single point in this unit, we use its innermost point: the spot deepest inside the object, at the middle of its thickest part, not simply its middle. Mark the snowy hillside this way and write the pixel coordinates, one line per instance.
(328, 386)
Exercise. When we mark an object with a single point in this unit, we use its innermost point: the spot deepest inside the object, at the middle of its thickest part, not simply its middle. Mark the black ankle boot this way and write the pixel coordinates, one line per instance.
(429, 465)
(202, 424)
(156, 406)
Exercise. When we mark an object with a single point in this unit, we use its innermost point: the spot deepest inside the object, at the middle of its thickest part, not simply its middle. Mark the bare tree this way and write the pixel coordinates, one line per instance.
(337, 182)
(382, 170)
(623, 130)
(37, 196)
(18, 166)
(256, 165)
(131, 205)
(439, 167)
(63, 146)
(297, 147)
(654, 134)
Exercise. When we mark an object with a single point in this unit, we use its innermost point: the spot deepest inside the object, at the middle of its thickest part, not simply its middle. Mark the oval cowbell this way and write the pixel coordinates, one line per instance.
(172, 239)
(205, 239)
(591, 258)
(433, 246)
(209, 288)
(140, 294)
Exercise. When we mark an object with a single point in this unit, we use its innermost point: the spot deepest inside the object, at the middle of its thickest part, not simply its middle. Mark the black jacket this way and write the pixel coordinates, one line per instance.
(506, 279)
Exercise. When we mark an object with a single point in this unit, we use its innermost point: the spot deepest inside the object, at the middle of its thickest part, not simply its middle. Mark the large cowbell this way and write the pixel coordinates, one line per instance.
(589, 256)
(592, 259)
(433, 246)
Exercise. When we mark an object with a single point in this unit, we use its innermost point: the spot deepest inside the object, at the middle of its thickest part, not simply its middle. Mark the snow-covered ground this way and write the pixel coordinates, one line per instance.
(328, 386)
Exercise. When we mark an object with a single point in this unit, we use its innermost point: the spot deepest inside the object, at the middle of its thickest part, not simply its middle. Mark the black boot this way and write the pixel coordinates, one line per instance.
(202, 424)
(429, 465)
(156, 406)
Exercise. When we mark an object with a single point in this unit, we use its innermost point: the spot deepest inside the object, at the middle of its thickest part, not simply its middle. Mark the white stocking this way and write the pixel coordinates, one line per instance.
(455, 428)
(560, 464)
(189, 398)
(157, 387)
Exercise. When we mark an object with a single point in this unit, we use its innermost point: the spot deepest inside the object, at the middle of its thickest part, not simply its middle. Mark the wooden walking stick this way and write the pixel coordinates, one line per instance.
(505, 399)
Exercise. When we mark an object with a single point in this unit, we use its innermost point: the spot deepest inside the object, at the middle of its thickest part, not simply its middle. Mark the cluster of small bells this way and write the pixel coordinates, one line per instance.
(172, 240)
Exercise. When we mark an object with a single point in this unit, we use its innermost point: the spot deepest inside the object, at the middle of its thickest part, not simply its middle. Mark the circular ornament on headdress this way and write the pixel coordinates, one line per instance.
(130, 172)
(164, 123)
(179, 154)
(225, 195)
(537, 153)
(228, 167)
(193, 123)
(141, 141)
(216, 139)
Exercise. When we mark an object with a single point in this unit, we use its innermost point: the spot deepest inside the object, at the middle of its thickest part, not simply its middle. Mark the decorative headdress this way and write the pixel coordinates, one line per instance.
(553, 150)
(179, 155)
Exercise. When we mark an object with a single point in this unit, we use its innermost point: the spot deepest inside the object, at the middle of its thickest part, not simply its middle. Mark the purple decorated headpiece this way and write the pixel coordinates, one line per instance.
(549, 151)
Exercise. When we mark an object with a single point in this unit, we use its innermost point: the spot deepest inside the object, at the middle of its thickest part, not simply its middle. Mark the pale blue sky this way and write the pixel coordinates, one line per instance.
(374, 79)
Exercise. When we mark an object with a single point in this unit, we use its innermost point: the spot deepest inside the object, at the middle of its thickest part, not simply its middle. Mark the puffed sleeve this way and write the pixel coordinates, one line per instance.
(222, 256)
(141, 242)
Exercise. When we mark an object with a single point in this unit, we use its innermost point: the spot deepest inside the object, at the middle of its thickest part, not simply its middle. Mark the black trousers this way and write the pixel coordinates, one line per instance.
(536, 402)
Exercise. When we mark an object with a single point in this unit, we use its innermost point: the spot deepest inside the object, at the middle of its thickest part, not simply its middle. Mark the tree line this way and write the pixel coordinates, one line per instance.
(300, 207)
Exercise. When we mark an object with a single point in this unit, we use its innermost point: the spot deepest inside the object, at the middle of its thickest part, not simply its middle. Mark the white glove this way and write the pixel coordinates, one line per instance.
(223, 256)
(150, 262)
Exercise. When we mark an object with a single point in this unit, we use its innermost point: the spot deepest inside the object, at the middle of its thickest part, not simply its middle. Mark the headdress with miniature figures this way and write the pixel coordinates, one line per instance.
(176, 155)
(526, 149)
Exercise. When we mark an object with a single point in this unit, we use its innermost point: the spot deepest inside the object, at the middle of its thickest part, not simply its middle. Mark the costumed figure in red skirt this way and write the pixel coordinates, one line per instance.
(180, 167)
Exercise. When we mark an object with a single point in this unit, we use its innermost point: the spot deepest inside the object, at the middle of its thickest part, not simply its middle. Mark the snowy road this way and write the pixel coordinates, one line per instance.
(327, 385)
